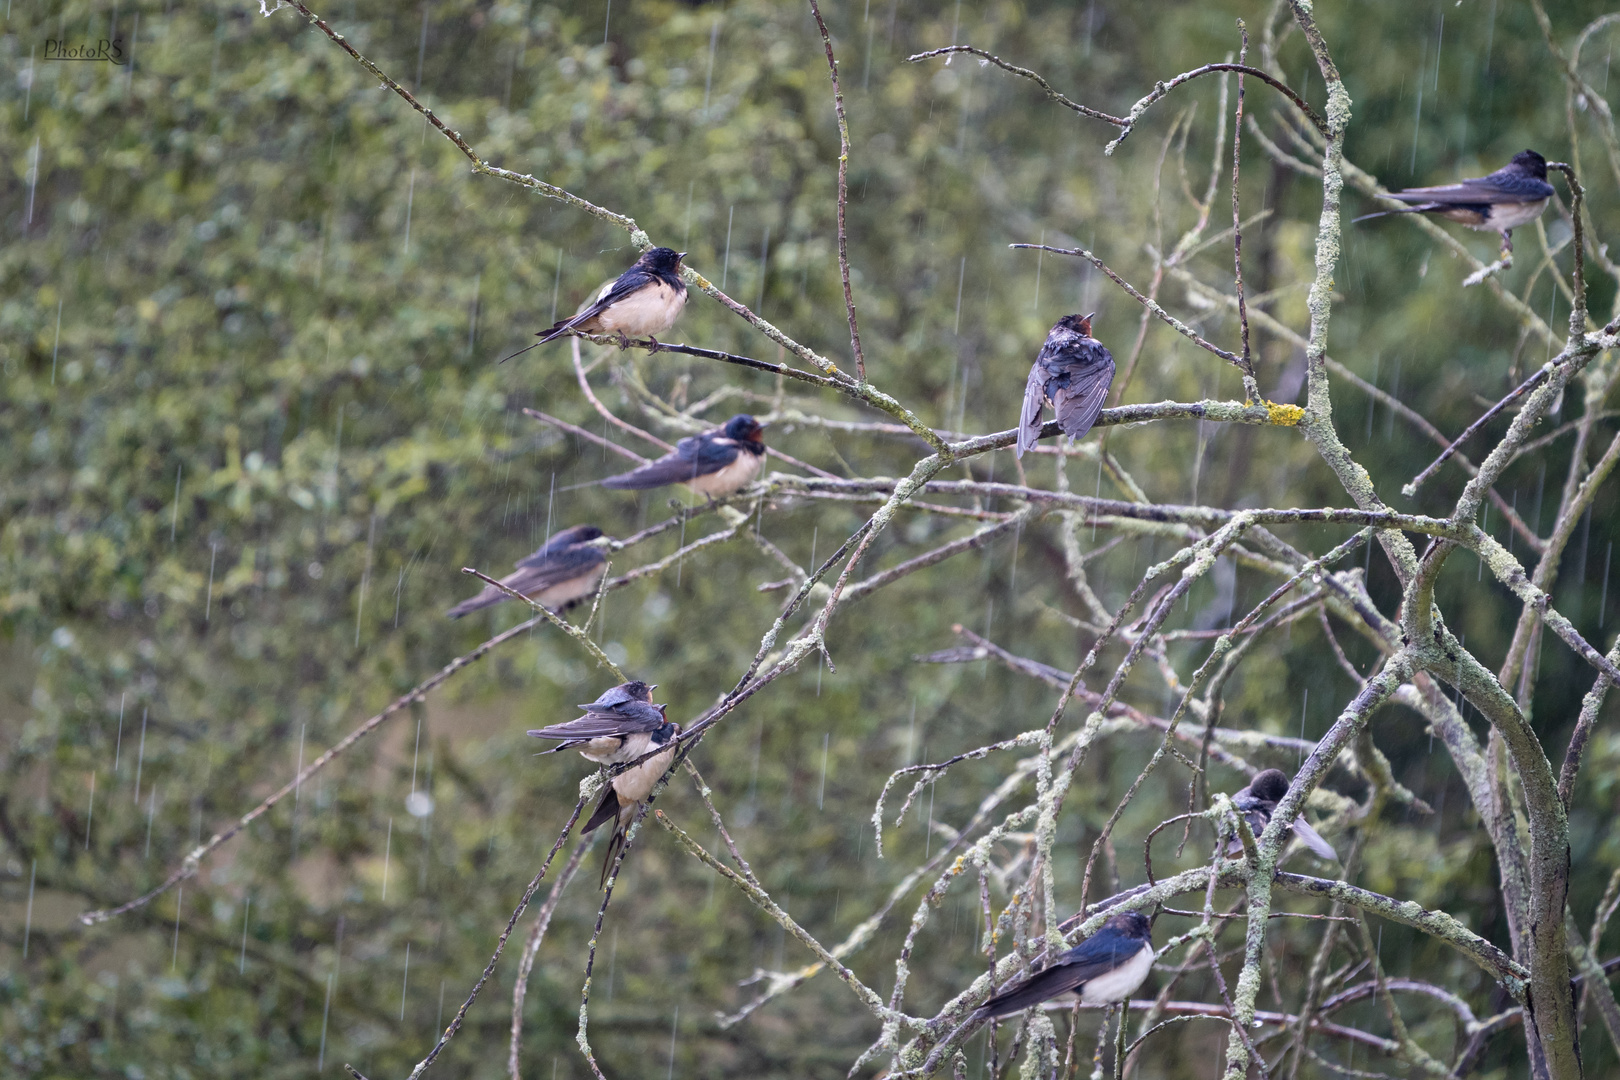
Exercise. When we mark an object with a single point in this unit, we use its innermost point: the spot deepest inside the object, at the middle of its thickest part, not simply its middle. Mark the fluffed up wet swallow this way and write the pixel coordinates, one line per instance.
(644, 301)
(617, 727)
(1072, 372)
(1256, 802)
(1513, 195)
(559, 575)
(1106, 967)
(629, 788)
(715, 463)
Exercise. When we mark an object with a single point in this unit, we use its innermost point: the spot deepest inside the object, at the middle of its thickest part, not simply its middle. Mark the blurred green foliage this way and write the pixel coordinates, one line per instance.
(252, 424)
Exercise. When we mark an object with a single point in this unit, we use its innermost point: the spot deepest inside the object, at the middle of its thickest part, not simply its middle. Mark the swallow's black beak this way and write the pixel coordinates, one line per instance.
(1093, 315)
(681, 256)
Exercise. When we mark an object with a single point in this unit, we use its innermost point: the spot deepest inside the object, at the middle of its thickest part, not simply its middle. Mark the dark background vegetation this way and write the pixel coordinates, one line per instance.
(252, 427)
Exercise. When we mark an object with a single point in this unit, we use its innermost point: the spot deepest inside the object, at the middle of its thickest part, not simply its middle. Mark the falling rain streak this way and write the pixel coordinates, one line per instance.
(241, 962)
(821, 793)
(405, 983)
(208, 606)
(33, 183)
(326, 1012)
(179, 899)
(388, 852)
(140, 759)
(725, 261)
(151, 812)
(174, 520)
(57, 341)
(28, 912)
(119, 744)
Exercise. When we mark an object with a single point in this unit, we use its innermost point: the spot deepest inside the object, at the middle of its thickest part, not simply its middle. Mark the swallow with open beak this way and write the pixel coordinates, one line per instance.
(1256, 802)
(617, 727)
(644, 301)
(1106, 967)
(1072, 372)
(630, 787)
(559, 575)
(715, 463)
(1513, 195)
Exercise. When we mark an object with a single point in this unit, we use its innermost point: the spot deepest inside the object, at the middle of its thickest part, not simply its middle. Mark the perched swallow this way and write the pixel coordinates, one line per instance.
(626, 790)
(1513, 195)
(617, 727)
(1259, 799)
(1073, 372)
(644, 301)
(1106, 967)
(715, 463)
(559, 575)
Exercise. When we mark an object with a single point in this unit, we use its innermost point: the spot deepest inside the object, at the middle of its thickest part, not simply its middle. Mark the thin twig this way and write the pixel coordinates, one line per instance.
(589, 436)
(1411, 489)
(500, 944)
(555, 620)
(1159, 90)
(1237, 218)
(188, 866)
(843, 193)
(1180, 327)
(520, 988)
(604, 411)
(763, 901)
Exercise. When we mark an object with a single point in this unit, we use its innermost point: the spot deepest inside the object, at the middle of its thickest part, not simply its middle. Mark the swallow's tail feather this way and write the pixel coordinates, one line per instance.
(1034, 990)
(606, 809)
(660, 473)
(557, 330)
(615, 845)
(474, 603)
(1029, 417)
(1314, 840)
(1396, 210)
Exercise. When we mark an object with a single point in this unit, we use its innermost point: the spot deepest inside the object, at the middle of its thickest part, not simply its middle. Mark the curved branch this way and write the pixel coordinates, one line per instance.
(843, 193)
(1128, 122)
(1051, 91)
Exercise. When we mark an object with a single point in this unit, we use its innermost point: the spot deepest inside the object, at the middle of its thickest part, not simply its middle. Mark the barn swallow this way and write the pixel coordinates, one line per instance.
(560, 574)
(1106, 967)
(715, 463)
(627, 789)
(1256, 802)
(1513, 195)
(644, 301)
(617, 727)
(1073, 372)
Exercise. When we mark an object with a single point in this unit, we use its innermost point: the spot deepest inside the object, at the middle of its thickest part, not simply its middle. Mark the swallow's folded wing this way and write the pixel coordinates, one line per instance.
(627, 719)
(669, 469)
(1080, 402)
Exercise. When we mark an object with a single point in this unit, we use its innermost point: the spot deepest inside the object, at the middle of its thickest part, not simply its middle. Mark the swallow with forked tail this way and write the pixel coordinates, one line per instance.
(715, 463)
(1106, 967)
(559, 575)
(1072, 372)
(1256, 803)
(644, 301)
(1513, 195)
